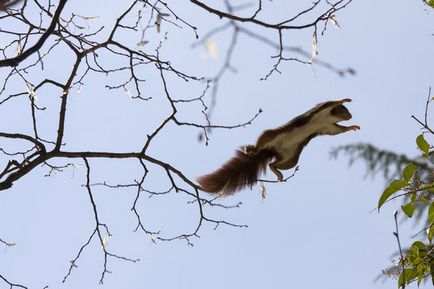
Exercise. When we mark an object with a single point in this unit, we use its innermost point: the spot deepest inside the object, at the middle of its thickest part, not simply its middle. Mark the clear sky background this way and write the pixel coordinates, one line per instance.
(315, 231)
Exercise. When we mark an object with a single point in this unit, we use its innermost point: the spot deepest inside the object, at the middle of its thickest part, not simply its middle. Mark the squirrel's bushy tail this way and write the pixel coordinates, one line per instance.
(239, 172)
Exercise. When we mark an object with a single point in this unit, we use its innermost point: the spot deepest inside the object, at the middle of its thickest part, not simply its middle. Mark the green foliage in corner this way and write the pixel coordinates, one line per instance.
(417, 262)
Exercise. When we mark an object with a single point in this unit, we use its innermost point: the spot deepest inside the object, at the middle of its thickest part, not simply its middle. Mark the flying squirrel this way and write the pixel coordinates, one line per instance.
(279, 148)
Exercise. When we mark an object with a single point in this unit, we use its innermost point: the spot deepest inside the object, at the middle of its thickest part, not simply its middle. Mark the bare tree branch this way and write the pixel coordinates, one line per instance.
(12, 285)
(277, 26)
(35, 48)
(95, 51)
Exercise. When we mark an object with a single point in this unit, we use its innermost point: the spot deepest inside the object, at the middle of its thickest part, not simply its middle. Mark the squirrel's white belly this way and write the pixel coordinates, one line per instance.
(287, 143)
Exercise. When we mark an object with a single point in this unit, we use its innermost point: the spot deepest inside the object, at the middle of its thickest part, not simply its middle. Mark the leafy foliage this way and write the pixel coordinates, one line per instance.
(418, 261)
(397, 185)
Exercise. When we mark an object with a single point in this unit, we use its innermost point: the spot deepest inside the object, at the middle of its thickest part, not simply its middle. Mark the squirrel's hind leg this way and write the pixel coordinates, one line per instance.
(276, 171)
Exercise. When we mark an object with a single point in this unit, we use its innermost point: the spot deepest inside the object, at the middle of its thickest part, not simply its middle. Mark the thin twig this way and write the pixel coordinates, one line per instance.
(396, 234)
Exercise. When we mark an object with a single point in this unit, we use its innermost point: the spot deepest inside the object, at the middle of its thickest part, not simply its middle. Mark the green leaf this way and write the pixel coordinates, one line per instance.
(413, 197)
(417, 260)
(430, 3)
(409, 274)
(422, 269)
(394, 186)
(420, 245)
(401, 279)
(422, 144)
(431, 214)
(413, 251)
(408, 209)
(420, 275)
(419, 278)
(398, 184)
(408, 171)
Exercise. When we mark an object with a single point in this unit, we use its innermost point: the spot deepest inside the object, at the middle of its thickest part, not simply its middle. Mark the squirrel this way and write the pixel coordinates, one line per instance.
(282, 145)
(7, 3)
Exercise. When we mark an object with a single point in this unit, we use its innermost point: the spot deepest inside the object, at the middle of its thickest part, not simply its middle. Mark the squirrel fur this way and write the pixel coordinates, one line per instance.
(278, 148)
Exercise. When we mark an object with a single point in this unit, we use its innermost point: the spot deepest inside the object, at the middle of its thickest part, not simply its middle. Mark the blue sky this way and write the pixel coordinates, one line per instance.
(315, 231)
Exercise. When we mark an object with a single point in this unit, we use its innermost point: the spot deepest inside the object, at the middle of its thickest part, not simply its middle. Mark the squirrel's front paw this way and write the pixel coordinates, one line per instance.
(354, 127)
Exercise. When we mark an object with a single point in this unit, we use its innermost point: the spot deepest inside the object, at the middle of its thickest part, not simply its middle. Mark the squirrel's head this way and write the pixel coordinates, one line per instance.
(340, 112)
